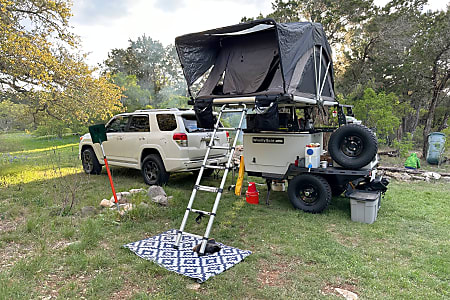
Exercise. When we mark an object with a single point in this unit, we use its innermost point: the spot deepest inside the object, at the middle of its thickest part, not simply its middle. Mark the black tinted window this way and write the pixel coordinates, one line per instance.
(166, 122)
(118, 124)
(190, 123)
(139, 124)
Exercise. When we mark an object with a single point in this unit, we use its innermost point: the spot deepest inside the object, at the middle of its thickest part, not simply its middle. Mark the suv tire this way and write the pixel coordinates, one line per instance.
(90, 162)
(309, 193)
(153, 170)
(353, 146)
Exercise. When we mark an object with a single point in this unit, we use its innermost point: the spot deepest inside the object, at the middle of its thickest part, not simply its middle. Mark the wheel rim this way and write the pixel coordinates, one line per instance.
(352, 146)
(151, 171)
(88, 164)
(308, 193)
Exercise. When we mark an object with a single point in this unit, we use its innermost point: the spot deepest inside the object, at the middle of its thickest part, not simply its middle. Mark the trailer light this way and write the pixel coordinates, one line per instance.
(180, 139)
(227, 133)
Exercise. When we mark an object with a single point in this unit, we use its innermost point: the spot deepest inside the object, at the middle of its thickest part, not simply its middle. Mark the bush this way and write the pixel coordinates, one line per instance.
(405, 145)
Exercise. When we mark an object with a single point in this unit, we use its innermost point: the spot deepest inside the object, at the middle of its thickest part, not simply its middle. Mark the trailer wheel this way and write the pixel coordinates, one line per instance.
(353, 146)
(309, 193)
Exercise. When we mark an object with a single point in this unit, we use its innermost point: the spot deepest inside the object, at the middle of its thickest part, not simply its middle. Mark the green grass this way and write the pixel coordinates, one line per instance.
(403, 255)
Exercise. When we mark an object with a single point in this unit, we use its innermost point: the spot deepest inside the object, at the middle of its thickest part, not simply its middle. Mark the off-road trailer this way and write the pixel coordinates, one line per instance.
(275, 70)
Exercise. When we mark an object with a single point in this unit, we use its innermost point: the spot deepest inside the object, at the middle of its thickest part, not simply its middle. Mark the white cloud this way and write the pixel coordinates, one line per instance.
(105, 24)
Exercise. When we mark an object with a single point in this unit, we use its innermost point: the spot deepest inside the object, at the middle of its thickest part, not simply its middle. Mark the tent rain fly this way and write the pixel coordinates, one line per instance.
(259, 58)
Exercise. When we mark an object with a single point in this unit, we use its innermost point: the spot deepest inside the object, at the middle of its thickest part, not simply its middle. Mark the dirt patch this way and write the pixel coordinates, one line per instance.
(12, 253)
(274, 275)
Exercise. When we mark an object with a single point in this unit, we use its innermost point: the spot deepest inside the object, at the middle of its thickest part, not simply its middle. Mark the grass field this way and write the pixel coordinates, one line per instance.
(47, 251)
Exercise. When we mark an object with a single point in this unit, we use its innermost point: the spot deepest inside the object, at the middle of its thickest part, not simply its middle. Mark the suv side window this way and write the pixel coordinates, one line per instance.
(166, 122)
(118, 124)
(139, 124)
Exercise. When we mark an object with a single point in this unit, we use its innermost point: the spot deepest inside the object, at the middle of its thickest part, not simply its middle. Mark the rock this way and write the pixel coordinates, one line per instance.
(106, 203)
(432, 175)
(156, 190)
(135, 191)
(88, 211)
(405, 176)
(446, 178)
(122, 197)
(143, 205)
(161, 199)
(347, 294)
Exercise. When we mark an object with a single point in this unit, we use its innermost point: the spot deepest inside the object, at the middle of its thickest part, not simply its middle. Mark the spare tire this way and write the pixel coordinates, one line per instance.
(353, 146)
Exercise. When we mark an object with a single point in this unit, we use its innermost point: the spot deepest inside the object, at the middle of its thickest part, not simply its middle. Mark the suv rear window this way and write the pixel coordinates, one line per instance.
(166, 122)
(190, 123)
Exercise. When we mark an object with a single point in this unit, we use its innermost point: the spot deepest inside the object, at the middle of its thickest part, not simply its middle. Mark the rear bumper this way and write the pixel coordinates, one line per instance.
(185, 165)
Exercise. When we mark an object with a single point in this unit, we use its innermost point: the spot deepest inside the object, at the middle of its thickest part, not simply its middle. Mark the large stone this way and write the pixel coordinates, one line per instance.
(156, 190)
(88, 211)
(106, 203)
(348, 295)
(432, 175)
(161, 199)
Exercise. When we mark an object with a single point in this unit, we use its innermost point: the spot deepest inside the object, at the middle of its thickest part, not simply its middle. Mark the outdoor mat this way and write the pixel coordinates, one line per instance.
(184, 261)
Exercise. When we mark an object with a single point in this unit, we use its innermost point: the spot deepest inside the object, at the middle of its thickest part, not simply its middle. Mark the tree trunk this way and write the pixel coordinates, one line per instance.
(429, 121)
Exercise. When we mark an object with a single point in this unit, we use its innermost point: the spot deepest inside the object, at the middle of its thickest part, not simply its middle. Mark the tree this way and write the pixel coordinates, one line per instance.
(337, 17)
(155, 66)
(378, 111)
(41, 68)
(133, 96)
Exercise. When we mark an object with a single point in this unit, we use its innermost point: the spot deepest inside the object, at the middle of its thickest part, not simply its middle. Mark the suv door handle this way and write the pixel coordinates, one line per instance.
(120, 138)
(142, 139)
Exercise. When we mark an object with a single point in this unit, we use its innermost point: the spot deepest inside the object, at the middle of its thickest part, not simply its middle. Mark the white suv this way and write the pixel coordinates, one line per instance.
(156, 141)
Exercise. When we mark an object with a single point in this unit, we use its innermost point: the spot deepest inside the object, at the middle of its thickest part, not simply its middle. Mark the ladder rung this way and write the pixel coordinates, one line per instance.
(220, 147)
(228, 128)
(232, 110)
(206, 188)
(201, 211)
(215, 167)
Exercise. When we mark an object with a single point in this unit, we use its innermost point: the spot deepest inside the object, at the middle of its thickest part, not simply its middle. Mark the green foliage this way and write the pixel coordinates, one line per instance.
(133, 96)
(446, 131)
(41, 66)
(153, 67)
(405, 145)
(376, 111)
(14, 116)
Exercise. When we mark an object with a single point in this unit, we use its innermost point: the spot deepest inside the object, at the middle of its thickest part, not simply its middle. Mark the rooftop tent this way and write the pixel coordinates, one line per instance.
(259, 58)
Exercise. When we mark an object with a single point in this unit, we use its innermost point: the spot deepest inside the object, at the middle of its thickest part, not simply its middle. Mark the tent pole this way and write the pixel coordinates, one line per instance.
(324, 78)
(320, 72)
(315, 70)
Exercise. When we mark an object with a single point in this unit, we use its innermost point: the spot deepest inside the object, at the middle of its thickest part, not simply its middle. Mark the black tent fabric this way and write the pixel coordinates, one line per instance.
(259, 58)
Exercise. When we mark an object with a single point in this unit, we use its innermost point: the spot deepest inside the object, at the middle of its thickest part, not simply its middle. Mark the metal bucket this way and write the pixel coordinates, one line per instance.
(436, 143)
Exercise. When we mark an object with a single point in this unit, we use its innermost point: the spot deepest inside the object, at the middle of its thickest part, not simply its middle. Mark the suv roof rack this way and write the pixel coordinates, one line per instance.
(157, 109)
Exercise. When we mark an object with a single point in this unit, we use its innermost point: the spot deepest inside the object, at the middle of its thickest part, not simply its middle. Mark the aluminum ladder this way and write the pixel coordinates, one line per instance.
(226, 108)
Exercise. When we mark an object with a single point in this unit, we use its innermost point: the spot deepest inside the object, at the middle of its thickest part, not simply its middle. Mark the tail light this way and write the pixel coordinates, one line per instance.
(181, 139)
(227, 133)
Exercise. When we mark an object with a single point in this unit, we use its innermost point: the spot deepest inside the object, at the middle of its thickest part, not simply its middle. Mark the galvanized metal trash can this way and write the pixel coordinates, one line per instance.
(364, 206)
(436, 143)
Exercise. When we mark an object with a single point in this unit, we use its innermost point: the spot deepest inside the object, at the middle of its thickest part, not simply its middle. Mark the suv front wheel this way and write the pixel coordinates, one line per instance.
(90, 162)
(153, 170)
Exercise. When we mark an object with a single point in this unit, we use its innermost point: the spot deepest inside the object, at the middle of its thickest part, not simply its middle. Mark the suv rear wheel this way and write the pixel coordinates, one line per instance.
(90, 162)
(153, 170)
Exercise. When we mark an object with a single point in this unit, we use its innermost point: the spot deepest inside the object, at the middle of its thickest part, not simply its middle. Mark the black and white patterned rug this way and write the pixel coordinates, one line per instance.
(184, 261)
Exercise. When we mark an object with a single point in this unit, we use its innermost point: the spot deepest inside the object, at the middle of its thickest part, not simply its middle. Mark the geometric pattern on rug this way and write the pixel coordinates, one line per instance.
(159, 249)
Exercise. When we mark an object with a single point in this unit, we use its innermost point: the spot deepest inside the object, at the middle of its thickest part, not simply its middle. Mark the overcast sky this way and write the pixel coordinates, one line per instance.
(107, 24)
